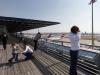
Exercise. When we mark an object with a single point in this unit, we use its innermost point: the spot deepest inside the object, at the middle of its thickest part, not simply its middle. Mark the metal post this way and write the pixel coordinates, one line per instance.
(38, 29)
(92, 28)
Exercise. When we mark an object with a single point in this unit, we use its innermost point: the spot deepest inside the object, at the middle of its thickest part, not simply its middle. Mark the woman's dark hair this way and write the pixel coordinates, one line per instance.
(12, 44)
(75, 29)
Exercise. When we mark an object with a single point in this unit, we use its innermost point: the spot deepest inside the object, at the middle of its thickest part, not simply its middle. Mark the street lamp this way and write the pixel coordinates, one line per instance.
(91, 2)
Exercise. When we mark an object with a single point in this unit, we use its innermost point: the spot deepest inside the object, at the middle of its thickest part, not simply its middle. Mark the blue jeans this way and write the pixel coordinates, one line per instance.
(28, 55)
(73, 65)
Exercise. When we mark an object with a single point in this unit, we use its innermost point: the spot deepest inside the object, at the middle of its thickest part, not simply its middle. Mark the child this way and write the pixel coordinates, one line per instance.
(14, 53)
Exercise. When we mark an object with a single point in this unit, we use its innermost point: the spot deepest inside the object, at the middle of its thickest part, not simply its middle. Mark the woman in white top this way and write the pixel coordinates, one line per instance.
(28, 52)
(74, 37)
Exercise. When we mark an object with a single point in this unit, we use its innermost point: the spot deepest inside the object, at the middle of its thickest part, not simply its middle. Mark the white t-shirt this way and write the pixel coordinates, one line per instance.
(28, 49)
(75, 41)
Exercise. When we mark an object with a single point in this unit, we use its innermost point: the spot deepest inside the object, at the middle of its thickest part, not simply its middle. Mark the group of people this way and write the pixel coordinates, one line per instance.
(74, 37)
(28, 51)
(3, 39)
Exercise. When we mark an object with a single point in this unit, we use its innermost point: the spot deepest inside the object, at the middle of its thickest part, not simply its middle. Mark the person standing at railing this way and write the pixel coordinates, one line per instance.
(36, 38)
(74, 37)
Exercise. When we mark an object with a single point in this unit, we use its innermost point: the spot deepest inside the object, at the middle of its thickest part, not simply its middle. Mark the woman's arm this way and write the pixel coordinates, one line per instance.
(75, 37)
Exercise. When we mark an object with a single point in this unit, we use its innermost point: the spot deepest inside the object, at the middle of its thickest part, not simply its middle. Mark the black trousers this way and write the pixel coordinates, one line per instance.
(73, 65)
(4, 44)
(35, 44)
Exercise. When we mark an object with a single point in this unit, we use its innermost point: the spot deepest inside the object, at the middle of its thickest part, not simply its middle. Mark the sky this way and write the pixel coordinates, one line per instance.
(67, 12)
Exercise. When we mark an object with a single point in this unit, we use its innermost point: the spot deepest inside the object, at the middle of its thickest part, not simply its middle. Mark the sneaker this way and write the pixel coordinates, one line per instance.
(16, 60)
(10, 61)
(26, 59)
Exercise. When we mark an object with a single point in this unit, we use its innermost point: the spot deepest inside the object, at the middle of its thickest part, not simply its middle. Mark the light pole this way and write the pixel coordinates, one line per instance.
(92, 28)
(91, 2)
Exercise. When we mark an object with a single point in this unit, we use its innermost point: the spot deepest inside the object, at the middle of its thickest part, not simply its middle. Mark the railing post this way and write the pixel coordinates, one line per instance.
(62, 43)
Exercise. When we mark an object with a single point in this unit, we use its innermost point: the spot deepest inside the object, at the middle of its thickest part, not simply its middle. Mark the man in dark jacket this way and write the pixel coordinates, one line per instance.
(4, 39)
(36, 38)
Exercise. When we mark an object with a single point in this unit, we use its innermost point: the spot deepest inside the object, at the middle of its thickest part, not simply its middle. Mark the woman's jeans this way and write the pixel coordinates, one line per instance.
(28, 55)
(73, 61)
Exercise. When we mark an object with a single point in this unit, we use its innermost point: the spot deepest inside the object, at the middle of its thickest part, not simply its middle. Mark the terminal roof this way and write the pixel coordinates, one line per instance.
(20, 24)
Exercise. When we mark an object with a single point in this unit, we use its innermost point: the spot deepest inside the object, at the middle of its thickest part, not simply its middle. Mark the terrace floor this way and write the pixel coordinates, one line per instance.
(41, 64)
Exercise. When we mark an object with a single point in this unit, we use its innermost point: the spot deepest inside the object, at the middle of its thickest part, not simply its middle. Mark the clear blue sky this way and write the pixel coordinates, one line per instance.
(67, 12)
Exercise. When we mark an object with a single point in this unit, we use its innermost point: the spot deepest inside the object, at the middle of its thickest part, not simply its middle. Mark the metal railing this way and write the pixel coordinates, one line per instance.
(57, 51)
(84, 63)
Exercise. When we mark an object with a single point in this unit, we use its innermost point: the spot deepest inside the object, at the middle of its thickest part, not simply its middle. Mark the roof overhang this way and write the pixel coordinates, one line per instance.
(20, 24)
